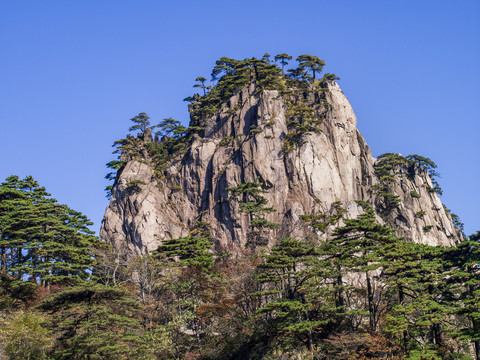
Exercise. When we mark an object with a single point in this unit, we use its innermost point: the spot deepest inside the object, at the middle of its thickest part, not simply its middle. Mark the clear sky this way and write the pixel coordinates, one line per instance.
(72, 74)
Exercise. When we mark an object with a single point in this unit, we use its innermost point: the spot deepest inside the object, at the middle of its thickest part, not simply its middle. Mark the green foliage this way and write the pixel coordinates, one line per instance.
(303, 117)
(455, 218)
(14, 293)
(423, 163)
(420, 213)
(116, 164)
(427, 228)
(426, 165)
(358, 245)
(249, 195)
(388, 166)
(24, 335)
(157, 343)
(134, 185)
(283, 58)
(329, 76)
(94, 322)
(362, 294)
(292, 293)
(321, 222)
(232, 75)
(129, 146)
(390, 200)
(193, 250)
(109, 189)
(475, 237)
(142, 123)
(201, 84)
(310, 63)
(420, 294)
(171, 128)
(172, 146)
(415, 194)
(226, 141)
(464, 274)
(254, 131)
(41, 240)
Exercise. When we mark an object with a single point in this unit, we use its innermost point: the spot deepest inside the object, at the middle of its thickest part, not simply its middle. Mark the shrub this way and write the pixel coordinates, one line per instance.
(415, 194)
(427, 228)
(420, 214)
(226, 141)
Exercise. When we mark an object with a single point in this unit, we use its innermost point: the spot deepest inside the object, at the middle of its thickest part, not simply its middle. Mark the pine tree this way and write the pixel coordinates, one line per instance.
(11, 199)
(283, 60)
(357, 247)
(142, 123)
(193, 250)
(24, 334)
(170, 127)
(311, 63)
(464, 272)
(252, 203)
(201, 83)
(291, 304)
(415, 275)
(42, 240)
(93, 322)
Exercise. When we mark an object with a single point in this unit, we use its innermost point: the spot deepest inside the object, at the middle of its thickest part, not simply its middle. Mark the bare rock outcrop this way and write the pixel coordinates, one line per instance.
(246, 141)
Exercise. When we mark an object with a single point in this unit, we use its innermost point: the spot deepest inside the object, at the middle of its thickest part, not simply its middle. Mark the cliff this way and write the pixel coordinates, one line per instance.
(305, 151)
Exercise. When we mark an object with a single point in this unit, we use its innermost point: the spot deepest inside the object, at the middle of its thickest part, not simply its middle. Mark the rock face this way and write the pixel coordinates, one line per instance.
(326, 166)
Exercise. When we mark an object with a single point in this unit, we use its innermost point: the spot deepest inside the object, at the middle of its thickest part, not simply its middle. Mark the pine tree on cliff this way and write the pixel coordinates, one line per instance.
(311, 63)
(201, 83)
(170, 127)
(283, 60)
(142, 123)
(252, 203)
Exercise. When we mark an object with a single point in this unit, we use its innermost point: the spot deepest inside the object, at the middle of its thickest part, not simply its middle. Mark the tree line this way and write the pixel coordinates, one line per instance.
(364, 293)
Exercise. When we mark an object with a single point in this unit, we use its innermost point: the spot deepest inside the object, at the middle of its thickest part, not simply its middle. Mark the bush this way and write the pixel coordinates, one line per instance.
(427, 228)
(226, 141)
(415, 194)
(420, 214)
(24, 335)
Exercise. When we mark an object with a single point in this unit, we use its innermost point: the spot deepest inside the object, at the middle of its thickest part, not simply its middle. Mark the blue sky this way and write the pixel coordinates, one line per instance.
(72, 74)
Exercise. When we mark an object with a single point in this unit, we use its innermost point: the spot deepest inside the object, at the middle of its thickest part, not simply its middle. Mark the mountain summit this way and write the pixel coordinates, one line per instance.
(265, 157)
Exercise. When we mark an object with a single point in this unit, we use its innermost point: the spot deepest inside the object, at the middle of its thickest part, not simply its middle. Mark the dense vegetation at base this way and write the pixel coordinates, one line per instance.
(64, 295)
(363, 293)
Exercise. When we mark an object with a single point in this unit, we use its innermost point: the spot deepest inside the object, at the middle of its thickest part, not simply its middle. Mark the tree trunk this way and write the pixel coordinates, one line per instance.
(339, 302)
(476, 345)
(435, 330)
(400, 301)
(371, 309)
(4, 260)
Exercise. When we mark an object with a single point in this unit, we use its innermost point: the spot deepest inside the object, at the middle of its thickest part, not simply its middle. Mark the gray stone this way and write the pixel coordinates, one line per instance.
(335, 164)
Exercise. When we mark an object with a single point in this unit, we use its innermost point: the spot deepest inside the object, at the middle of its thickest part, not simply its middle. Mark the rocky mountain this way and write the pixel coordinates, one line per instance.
(303, 151)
